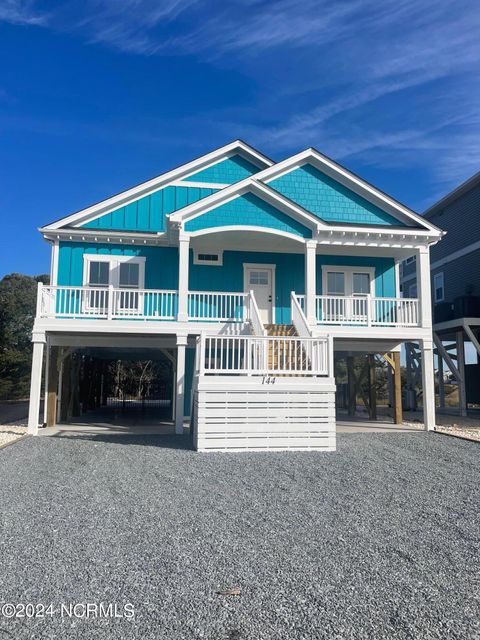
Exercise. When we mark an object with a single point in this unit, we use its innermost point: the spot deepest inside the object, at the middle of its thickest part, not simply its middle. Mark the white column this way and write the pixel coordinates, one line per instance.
(180, 395)
(35, 386)
(424, 290)
(428, 385)
(462, 393)
(46, 374)
(441, 382)
(183, 266)
(310, 280)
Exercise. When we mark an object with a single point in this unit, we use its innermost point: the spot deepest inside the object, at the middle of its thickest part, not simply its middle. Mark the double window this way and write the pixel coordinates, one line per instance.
(348, 288)
(126, 273)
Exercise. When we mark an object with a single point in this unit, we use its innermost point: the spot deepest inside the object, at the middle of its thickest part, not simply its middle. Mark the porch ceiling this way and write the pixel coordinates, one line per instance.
(246, 240)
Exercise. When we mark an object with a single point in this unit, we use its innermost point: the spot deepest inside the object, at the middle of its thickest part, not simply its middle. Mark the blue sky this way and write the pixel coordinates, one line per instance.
(96, 96)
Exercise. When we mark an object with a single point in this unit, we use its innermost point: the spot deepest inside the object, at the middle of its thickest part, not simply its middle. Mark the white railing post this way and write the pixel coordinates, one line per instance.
(369, 310)
(310, 280)
(40, 304)
(110, 302)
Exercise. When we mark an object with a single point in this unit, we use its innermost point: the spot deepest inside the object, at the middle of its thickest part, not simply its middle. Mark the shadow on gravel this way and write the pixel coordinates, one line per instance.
(162, 441)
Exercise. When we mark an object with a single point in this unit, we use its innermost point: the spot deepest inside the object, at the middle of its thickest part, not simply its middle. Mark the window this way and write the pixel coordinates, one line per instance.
(348, 281)
(121, 272)
(129, 275)
(98, 274)
(258, 277)
(336, 283)
(438, 287)
(208, 257)
(410, 259)
(413, 291)
(361, 284)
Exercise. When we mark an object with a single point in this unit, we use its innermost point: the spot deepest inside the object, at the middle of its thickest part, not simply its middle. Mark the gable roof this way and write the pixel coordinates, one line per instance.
(349, 180)
(238, 147)
(258, 189)
(410, 220)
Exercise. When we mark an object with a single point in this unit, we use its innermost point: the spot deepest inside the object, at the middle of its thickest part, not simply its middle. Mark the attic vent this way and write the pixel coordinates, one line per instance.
(208, 258)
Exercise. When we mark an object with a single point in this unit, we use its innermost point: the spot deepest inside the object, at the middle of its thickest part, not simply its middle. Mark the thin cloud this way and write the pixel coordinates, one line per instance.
(21, 12)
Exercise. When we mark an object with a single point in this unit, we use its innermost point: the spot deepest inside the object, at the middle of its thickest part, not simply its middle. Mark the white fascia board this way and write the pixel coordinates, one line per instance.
(349, 180)
(145, 188)
(249, 185)
(105, 236)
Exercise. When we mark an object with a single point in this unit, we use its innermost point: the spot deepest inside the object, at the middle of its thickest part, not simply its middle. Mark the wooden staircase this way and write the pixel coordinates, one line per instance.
(280, 330)
(284, 354)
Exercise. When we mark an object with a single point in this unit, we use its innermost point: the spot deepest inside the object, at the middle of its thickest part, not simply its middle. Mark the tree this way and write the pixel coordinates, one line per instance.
(18, 295)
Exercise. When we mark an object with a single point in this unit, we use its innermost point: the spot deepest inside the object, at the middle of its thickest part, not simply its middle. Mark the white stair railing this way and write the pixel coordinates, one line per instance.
(245, 355)
(254, 316)
(299, 319)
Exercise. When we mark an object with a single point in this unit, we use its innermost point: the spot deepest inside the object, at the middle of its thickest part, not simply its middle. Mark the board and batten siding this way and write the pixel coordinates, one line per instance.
(161, 270)
(161, 263)
(149, 213)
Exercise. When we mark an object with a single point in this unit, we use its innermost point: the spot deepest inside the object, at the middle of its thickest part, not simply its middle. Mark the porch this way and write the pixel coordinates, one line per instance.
(155, 305)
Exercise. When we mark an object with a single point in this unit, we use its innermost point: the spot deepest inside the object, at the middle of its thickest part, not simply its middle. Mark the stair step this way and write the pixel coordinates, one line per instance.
(282, 330)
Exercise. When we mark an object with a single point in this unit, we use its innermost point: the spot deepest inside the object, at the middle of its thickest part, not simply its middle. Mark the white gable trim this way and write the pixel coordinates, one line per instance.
(250, 185)
(146, 188)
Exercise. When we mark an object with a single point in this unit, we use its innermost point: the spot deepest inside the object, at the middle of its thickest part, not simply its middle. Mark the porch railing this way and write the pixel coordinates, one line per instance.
(143, 304)
(366, 311)
(106, 303)
(264, 355)
(217, 306)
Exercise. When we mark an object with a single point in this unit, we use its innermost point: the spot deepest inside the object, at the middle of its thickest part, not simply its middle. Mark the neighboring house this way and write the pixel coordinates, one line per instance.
(455, 279)
(250, 275)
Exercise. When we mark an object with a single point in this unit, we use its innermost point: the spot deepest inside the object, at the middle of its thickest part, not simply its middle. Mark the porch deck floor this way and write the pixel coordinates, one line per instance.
(106, 421)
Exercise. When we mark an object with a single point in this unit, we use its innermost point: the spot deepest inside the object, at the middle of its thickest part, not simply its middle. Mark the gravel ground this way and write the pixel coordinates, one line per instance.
(11, 432)
(378, 540)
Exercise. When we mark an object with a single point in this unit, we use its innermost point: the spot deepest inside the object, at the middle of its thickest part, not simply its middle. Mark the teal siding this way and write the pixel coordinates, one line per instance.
(225, 172)
(149, 213)
(289, 276)
(248, 210)
(330, 200)
(384, 271)
(161, 263)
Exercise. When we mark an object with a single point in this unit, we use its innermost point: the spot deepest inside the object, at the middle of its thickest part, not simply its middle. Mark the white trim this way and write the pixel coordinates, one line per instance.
(247, 286)
(199, 185)
(436, 276)
(348, 271)
(163, 180)
(213, 263)
(54, 263)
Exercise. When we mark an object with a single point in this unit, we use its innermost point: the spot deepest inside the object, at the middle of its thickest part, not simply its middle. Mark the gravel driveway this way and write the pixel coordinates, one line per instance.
(377, 540)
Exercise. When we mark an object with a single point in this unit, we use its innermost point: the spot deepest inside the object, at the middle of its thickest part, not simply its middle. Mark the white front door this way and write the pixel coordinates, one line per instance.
(259, 279)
